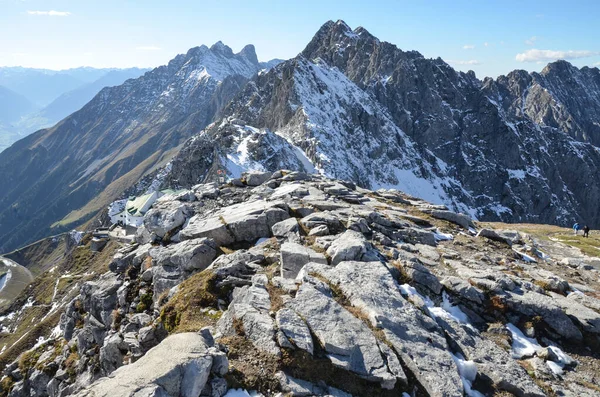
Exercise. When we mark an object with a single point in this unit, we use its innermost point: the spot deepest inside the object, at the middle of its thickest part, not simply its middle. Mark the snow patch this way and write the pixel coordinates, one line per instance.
(468, 372)
(522, 346)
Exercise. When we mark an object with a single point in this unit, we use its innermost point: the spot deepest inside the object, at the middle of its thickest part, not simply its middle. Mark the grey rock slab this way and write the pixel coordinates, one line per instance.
(241, 264)
(251, 305)
(213, 227)
(535, 304)
(180, 365)
(250, 221)
(421, 275)
(294, 256)
(257, 178)
(349, 343)
(351, 245)
(100, 297)
(459, 219)
(206, 190)
(463, 289)
(415, 337)
(165, 216)
(587, 318)
(111, 353)
(295, 329)
(283, 228)
(322, 218)
(416, 235)
(189, 255)
(492, 235)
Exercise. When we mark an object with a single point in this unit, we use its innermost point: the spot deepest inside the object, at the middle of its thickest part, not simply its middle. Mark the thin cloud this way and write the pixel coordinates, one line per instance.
(531, 40)
(50, 13)
(148, 48)
(534, 55)
(468, 47)
(469, 62)
(486, 44)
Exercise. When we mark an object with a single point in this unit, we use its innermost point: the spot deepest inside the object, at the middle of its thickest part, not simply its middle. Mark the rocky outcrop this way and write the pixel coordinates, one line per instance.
(180, 366)
(385, 299)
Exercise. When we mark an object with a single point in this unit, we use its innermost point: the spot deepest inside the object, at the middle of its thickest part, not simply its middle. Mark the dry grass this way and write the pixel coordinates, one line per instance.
(184, 312)
(250, 368)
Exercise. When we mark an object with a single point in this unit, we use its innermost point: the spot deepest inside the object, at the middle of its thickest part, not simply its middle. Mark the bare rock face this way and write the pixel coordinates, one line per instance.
(294, 256)
(388, 300)
(179, 366)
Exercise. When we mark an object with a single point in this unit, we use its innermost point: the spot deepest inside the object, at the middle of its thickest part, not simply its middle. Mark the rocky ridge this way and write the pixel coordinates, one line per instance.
(296, 284)
(514, 149)
(91, 157)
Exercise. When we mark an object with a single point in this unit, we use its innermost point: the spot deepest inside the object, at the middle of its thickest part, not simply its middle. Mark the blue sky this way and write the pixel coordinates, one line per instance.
(489, 37)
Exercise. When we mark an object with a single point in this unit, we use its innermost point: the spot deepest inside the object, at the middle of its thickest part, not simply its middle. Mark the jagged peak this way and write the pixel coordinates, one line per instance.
(558, 67)
(249, 52)
(222, 49)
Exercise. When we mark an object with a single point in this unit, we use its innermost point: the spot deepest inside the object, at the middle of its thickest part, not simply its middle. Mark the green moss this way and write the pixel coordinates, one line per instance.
(146, 302)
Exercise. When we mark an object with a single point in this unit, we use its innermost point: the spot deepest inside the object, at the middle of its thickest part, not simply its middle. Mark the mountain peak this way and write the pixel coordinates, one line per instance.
(249, 52)
(222, 49)
(560, 66)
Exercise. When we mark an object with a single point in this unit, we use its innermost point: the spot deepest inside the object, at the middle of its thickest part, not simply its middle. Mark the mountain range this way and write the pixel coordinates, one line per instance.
(39, 98)
(522, 147)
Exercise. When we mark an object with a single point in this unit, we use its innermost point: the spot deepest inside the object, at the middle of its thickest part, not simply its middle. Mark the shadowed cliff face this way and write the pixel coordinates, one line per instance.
(107, 146)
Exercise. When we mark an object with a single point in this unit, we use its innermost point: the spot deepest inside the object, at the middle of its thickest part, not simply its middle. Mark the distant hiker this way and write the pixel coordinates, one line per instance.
(586, 231)
(576, 227)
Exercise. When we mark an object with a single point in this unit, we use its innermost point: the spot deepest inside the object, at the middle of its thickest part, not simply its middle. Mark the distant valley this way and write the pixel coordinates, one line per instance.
(32, 99)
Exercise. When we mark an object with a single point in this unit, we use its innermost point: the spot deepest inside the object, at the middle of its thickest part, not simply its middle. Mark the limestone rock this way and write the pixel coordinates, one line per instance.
(179, 366)
(294, 256)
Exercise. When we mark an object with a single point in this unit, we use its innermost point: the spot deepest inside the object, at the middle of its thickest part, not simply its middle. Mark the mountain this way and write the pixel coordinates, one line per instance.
(74, 100)
(296, 284)
(69, 172)
(357, 108)
(38, 85)
(12, 106)
(270, 64)
(349, 106)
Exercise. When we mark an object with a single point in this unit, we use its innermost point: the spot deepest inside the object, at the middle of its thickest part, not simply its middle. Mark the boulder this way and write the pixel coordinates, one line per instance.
(459, 219)
(257, 178)
(492, 235)
(322, 218)
(179, 366)
(189, 255)
(165, 216)
(351, 245)
(111, 353)
(285, 227)
(294, 256)
(213, 228)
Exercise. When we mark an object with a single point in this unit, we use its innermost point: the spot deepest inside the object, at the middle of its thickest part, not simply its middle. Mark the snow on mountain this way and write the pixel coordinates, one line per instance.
(363, 110)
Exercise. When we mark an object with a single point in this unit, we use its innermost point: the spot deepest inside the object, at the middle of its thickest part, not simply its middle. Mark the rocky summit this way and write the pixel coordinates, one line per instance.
(293, 284)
